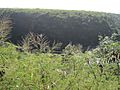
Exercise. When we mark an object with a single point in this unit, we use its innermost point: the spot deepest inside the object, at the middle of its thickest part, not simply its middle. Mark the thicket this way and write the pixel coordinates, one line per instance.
(91, 70)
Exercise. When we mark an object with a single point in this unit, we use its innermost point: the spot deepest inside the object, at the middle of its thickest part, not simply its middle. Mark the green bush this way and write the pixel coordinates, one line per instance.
(5, 28)
(35, 43)
(46, 71)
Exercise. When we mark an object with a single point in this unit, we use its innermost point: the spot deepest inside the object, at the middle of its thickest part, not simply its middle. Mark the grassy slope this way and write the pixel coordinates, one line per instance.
(25, 71)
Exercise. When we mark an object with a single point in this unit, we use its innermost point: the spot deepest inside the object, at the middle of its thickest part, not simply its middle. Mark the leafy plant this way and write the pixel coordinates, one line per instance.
(35, 43)
(109, 53)
(72, 49)
(56, 48)
(5, 28)
(107, 46)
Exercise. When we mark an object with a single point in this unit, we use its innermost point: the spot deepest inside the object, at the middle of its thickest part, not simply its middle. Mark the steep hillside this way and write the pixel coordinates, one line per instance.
(61, 25)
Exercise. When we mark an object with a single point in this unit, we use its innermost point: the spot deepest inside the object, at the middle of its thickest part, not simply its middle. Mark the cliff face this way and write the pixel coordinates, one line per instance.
(64, 26)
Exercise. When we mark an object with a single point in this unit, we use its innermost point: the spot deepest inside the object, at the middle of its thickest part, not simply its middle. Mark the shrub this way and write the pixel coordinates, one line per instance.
(5, 28)
(109, 54)
(35, 43)
(108, 46)
(72, 49)
(56, 48)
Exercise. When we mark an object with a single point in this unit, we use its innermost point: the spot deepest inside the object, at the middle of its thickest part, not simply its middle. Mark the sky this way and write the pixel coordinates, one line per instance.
(112, 6)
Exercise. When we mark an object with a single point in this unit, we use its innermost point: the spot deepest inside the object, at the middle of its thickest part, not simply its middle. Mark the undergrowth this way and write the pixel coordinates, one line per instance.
(48, 71)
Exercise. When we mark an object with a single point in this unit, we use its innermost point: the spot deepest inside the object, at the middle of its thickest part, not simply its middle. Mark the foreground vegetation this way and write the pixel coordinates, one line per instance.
(98, 69)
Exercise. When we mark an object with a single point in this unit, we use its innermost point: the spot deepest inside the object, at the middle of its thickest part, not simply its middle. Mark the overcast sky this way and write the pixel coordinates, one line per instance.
(112, 6)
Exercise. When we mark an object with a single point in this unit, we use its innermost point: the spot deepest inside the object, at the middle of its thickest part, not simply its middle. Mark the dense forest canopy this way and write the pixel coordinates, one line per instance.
(63, 25)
